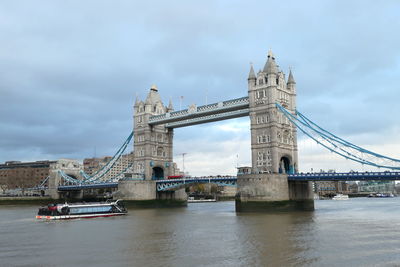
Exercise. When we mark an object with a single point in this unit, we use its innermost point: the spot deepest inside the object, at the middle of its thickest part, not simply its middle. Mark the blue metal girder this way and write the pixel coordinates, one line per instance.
(86, 186)
(201, 111)
(209, 118)
(345, 176)
(164, 185)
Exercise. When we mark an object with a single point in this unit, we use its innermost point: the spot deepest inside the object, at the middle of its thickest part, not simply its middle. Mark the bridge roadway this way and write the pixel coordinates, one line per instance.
(233, 108)
(164, 185)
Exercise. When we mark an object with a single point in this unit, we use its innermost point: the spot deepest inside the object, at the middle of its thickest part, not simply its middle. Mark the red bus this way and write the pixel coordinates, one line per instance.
(175, 177)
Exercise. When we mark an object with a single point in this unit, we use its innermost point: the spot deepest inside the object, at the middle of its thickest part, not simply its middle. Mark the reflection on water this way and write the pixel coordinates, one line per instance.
(358, 232)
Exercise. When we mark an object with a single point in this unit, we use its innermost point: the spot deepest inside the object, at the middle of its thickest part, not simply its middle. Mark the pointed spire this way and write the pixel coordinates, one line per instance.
(270, 66)
(270, 53)
(170, 107)
(252, 75)
(137, 101)
(290, 79)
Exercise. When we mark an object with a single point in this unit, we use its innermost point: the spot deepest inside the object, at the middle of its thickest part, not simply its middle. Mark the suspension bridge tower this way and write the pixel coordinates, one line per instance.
(152, 144)
(153, 152)
(273, 145)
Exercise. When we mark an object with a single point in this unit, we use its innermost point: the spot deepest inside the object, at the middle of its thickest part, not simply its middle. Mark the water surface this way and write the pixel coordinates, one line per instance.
(357, 232)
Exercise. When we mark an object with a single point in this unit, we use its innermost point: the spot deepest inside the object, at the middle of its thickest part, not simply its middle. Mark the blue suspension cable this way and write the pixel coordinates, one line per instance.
(110, 164)
(346, 142)
(350, 156)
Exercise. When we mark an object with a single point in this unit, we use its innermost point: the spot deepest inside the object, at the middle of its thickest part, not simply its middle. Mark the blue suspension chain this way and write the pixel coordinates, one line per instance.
(306, 122)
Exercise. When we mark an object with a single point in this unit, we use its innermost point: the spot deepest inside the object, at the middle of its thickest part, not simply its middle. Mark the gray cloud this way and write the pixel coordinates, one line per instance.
(69, 72)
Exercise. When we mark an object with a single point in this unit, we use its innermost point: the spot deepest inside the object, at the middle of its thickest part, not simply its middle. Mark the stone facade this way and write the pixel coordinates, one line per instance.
(70, 167)
(273, 137)
(252, 187)
(92, 165)
(152, 145)
(137, 190)
(273, 146)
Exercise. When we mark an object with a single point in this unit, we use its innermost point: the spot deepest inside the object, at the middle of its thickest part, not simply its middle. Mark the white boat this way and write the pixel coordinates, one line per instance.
(341, 197)
(192, 200)
(81, 210)
(381, 195)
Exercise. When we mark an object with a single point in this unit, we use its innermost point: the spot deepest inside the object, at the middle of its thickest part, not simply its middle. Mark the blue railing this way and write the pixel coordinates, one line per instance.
(345, 176)
(172, 184)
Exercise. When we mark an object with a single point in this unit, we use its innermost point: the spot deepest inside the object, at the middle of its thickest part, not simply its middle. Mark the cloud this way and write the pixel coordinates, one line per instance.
(69, 72)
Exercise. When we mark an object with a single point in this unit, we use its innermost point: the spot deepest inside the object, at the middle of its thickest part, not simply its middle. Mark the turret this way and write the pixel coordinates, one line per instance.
(252, 77)
(170, 106)
(291, 84)
(153, 143)
(271, 69)
(153, 100)
(137, 101)
(136, 105)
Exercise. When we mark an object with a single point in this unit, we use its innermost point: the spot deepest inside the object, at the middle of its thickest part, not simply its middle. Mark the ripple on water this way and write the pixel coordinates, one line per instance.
(361, 232)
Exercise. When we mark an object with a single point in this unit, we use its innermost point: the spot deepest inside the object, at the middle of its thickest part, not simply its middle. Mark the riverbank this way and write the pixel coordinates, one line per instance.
(25, 200)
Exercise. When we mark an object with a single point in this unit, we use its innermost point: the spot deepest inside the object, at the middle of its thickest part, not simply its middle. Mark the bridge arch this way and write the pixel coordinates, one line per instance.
(157, 173)
(286, 165)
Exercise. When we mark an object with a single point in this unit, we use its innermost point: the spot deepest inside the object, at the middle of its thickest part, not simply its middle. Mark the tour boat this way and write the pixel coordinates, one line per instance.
(340, 197)
(81, 210)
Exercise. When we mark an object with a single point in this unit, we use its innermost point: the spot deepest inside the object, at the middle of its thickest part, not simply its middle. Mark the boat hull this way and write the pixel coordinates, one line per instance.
(77, 216)
(201, 200)
(340, 197)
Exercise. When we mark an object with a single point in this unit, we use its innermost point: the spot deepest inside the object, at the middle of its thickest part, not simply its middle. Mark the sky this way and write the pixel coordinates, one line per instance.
(70, 72)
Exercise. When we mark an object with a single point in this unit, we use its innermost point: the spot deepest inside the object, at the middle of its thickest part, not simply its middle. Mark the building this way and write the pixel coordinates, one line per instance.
(353, 187)
(93, 165)
(21, 175)
(377, 186)
(152, 144)
(325, 188)
(243, 170)
(273, 137)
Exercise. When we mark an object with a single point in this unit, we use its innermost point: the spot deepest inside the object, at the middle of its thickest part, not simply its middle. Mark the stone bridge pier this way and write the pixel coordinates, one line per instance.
(272, 192)
(71, 168)
(273, 146)
(144, 193)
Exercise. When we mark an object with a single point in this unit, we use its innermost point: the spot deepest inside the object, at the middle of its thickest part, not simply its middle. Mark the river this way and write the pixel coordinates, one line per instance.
(356, 232)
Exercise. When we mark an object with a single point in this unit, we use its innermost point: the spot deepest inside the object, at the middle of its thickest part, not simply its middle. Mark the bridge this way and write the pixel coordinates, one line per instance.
(234, 108)
(274, 121)
(168, 184)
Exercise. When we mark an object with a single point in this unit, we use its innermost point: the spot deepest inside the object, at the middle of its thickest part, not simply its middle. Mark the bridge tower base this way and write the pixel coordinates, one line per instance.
(144, 194)
(271, 193)
(53, 182)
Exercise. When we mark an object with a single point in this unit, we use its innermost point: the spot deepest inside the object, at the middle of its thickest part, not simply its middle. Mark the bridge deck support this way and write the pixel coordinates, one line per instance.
(53, 185)
(144, 193)
(272, 192)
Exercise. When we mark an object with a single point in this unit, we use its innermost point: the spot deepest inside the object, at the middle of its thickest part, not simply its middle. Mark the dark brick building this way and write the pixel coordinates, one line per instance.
(16, 174)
